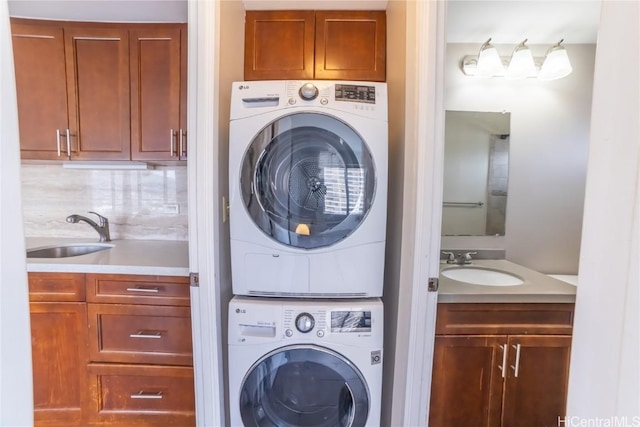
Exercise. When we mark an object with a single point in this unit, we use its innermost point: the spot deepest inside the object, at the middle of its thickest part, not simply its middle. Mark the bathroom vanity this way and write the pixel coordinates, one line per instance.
(502, 352)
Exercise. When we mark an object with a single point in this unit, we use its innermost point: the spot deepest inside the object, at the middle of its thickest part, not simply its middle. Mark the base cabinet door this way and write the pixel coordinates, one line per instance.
(59, 357)
(467, 381)
(536, 388)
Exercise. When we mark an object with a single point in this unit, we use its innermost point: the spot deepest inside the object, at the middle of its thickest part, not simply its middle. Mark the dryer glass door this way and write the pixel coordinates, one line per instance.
(304, 385)
(308, 180)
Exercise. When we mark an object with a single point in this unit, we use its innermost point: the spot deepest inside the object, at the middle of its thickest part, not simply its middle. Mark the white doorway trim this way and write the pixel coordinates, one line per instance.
(204, 210)
(423, 187)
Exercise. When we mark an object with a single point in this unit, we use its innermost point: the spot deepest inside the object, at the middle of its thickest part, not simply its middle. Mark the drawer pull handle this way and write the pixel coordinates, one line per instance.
(153, 290)
(147, 395)
(143, 334)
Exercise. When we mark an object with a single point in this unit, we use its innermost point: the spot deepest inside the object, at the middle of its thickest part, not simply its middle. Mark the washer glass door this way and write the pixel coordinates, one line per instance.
(308, 180)
(304, 385)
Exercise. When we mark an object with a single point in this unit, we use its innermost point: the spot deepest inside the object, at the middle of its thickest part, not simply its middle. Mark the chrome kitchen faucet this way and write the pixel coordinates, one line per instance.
(102, 227)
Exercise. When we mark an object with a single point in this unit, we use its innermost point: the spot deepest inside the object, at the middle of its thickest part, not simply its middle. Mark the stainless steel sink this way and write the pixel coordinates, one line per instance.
(65, 251)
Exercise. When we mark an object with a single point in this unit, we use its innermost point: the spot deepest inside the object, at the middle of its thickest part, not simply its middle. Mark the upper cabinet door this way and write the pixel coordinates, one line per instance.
(157, 87)
(279, 45)
(98, 91)
(41, 86)
(350, 45)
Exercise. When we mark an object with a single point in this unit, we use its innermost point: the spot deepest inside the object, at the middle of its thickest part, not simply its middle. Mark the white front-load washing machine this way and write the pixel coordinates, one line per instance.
(313, 363)
(308, 188)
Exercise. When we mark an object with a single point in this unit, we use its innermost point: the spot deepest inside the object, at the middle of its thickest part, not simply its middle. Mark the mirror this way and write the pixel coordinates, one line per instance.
(476, 173)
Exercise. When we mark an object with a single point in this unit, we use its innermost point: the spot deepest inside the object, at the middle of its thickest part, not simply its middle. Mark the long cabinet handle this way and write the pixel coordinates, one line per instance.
(503, 367)
(152, 290)
(58, 140)
(68, 143)
(171, 142)
(147, 395)
(182, 145)
(516, 367)
(147, 334)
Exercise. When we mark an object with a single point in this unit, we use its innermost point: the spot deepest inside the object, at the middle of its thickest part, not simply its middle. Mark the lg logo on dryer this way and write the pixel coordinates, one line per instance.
(241, 311)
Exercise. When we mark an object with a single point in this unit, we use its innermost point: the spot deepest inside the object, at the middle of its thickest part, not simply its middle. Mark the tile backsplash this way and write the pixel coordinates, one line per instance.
(140, 204)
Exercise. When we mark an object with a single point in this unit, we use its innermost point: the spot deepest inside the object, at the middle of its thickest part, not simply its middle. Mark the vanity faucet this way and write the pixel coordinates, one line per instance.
(102, 227)
(460, 259)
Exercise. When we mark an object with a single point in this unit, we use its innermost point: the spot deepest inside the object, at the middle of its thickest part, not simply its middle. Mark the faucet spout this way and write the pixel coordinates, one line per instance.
(102, 226)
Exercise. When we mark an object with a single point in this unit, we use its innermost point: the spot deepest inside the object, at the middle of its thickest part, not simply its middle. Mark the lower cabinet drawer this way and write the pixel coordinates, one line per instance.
(140, 334)
(141, 395)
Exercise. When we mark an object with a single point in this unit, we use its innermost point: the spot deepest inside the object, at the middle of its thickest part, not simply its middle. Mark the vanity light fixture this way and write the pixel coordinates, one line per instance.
(556, 63)
(522, 64)
(489, 62)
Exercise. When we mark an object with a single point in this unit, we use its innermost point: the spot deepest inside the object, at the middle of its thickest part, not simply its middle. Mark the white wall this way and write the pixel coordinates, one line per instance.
(548, 155)
(604, 380)
(16, 395)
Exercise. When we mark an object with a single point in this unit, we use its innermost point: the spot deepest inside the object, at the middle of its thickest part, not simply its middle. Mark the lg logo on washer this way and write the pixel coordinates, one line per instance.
(242, 87)
(241, 311)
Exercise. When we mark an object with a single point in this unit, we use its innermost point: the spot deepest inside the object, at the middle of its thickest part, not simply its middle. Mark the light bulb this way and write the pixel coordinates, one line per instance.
(521, 64)
(489, 62)
(556, 63)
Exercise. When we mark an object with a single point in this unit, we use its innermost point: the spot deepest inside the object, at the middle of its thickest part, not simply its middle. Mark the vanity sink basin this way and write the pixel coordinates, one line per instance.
(482, 276)
(65, 251)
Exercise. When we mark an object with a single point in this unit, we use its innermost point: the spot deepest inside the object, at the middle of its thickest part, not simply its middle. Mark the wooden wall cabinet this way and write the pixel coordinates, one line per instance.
(325, 45)
(96, 91)
(500, 365)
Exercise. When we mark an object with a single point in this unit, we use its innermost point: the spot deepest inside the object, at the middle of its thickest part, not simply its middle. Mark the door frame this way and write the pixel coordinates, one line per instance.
(422, 217)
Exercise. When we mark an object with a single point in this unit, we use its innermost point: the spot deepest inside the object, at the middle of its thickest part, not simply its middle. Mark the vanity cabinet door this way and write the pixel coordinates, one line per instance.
(536, 387)
(467, 381)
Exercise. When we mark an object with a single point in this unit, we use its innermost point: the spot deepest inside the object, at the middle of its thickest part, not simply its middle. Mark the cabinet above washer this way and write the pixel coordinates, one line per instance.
(303, 44)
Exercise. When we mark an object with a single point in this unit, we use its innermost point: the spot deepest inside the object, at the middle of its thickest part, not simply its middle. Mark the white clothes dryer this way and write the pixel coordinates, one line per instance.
(308, 188)
(314, 363)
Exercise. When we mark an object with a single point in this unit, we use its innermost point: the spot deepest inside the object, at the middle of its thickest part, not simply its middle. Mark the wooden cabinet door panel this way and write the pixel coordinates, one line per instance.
(38, 52)
(350, 45)
(140, 334)
(156, 83)
(536, 396)
(467, 381)
(98, 85)
(142, 395)
(279, 45)
(59, 357)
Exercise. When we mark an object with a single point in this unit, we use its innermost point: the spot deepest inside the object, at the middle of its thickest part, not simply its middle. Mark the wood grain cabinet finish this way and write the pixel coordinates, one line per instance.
(140, 350)
(486, 378)
(142, 395)
(41, 85)
(158, 57)
(100, 91)
(59, 349)
(329, 45)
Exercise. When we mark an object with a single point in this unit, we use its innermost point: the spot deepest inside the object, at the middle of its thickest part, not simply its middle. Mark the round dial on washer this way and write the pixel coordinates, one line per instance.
(308, 91)
(305, 322)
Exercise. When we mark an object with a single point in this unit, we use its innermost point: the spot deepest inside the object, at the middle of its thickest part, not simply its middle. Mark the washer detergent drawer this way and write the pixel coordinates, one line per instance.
(287, 274)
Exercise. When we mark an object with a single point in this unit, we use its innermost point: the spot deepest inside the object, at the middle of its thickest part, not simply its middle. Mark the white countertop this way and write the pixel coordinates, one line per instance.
(151, 257)
(537, 287)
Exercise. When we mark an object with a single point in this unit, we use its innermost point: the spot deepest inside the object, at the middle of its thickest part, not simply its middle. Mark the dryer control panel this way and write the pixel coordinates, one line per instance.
(366, 99)
(350, 322)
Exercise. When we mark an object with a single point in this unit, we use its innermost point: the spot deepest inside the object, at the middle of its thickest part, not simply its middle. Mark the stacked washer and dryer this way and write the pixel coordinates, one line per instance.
(308, 196)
